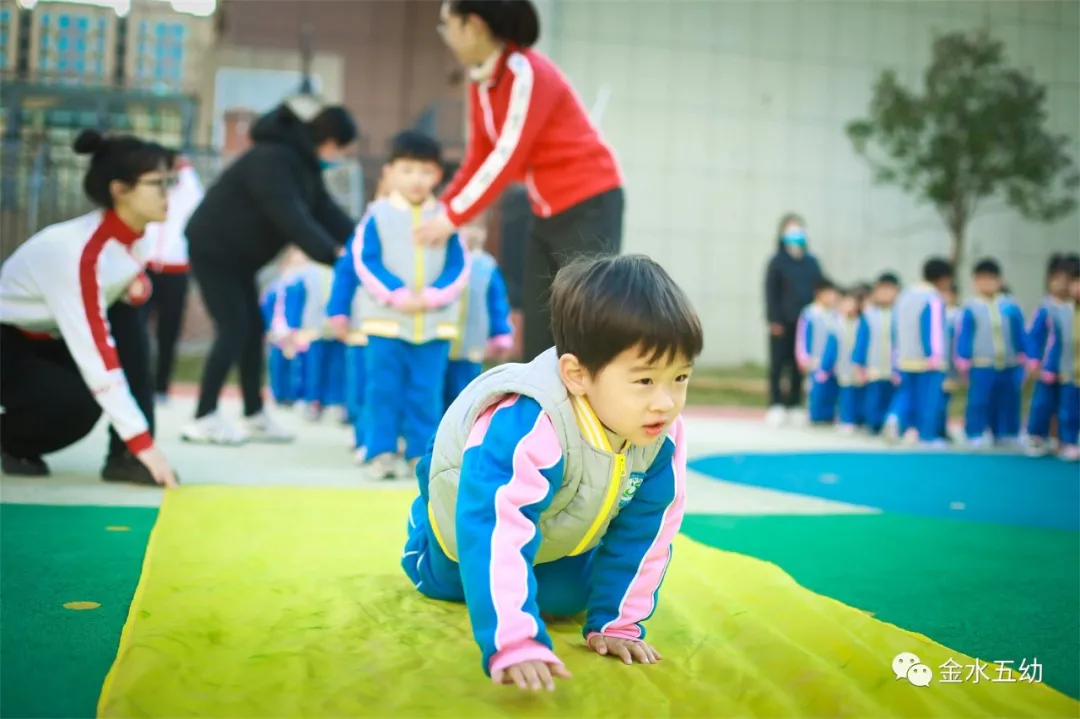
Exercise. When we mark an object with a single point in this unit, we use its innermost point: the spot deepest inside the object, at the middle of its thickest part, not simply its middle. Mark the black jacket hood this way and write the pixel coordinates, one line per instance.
(281, 126)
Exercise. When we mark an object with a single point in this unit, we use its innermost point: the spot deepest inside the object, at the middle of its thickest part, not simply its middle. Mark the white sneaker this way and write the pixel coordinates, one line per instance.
(383, 468)
(213, 429)
(1069, 453)
(1036, 447)
(846, 429)
(313, 412)
(261, 428)
(890, 431)
(911, 437)
(776, 416)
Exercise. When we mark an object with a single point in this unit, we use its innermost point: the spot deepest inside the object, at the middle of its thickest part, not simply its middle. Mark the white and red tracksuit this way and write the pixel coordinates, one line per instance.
(60, 282)
(527, 124)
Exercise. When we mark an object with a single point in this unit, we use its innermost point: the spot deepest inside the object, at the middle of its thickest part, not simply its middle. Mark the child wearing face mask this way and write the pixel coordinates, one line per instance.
(557, 486)
(816, 350)
(485, 331)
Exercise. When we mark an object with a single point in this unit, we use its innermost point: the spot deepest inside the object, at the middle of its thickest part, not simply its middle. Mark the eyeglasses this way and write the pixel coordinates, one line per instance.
(162, 183)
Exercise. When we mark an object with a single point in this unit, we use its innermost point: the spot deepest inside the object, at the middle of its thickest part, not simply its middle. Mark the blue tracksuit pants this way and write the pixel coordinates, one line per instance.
(355, 371)
(1044, 405)
(281, 371)
(403, 395)
(459, 373)
(918, 403)
(562, 586)
(822, 400)
(852, 402)
(877, 396)
(324, 373)
(1069, 414)
(993, 397)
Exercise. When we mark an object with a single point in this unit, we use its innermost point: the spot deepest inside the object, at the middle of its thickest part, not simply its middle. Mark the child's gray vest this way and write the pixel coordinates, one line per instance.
(594, 477)
(820, 324)
(879, 350)
(993, 344)
(910, 356)
(1060, 315)
(475, 321)
(317, 281)
(846, 329)
(417, 267)
(356, 336)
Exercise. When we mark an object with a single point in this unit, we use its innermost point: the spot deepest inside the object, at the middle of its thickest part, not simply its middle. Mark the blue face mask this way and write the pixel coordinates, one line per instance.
(328, 164)
(794, 236)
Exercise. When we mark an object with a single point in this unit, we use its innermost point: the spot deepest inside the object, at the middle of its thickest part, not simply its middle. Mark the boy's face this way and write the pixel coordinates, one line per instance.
(1058, 284)
(848, 305)
(885, 293)
(828, 298)
(414, 179)
(633, 397)
(987, 284)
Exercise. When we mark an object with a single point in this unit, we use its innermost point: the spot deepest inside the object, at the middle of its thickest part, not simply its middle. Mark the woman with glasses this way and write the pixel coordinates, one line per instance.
(167, 267)
(528, 125)
(74, 345)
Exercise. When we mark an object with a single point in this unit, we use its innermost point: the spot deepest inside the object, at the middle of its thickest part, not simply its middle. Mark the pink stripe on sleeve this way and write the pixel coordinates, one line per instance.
(483, 422)
(368, 280)
(801, 355)
(937, 331)
(638, 603)
(539, 449)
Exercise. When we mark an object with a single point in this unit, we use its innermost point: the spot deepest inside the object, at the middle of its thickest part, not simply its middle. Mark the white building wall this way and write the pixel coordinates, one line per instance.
(728, 113)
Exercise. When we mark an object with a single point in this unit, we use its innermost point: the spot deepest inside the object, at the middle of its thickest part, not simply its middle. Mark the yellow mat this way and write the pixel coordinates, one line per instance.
(260, 602)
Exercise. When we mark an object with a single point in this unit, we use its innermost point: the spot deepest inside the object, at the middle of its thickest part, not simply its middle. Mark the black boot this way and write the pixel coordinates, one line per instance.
(23, 466)
(126, 468)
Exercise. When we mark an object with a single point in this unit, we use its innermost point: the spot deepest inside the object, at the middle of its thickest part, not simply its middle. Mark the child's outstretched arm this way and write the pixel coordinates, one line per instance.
(342, 291)
(631, 561)
(500, 333)
(382, 284)
(511, 468)
(448, 286)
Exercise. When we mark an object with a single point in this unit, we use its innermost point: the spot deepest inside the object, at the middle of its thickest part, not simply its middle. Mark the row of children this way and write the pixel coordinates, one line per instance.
(890, 360)
(395, 331)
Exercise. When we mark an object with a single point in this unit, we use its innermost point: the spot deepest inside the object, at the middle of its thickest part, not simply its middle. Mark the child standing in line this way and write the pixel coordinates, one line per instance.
(345, 312)
(1069, 370)
(412, 313)
(952, 376)
(920, 356)
(989, 346)
(324, 361)
(557, 487)
(816, 326)
(872, 355)
(1054, 311)
(838, 362)
(485, 330)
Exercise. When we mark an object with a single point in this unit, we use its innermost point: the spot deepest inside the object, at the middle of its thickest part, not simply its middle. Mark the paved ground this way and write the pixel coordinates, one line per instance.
(321, 457)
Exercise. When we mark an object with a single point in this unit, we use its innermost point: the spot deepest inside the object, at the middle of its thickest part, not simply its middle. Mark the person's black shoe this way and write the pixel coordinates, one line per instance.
(126, 468)
(23, 466)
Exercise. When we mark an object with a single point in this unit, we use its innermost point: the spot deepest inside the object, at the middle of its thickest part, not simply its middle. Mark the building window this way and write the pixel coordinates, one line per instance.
(6, 46)
(160, 53)
(72, 46)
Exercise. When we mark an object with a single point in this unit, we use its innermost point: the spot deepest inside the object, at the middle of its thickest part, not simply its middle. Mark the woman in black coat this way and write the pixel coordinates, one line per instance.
(789, 287)
(272, 196)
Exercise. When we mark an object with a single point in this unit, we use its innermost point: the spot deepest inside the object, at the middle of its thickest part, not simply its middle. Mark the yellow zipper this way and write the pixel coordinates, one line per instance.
(610, 497)
(418, 317)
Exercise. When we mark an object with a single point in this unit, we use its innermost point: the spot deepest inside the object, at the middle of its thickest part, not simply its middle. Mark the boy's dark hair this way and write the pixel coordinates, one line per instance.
(415, 145)
(333, 123)
(1062, 263)
(116, 157)
(936, 268)
(888, 278)
(604, 306)
(822, 284)
(988, 266)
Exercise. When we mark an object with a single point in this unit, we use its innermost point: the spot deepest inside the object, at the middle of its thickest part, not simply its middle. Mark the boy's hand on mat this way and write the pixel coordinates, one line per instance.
(159, 467)
(532, 676)
(629, 650)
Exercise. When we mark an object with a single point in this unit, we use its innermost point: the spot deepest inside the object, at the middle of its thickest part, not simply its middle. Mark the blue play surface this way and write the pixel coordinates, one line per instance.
(995, 488)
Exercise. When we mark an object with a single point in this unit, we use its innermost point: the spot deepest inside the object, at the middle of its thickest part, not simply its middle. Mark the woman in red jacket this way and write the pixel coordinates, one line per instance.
(527, 124)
